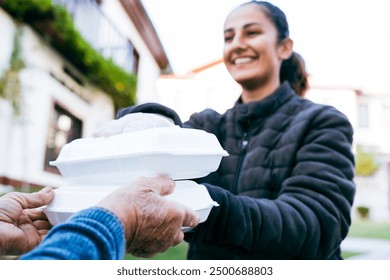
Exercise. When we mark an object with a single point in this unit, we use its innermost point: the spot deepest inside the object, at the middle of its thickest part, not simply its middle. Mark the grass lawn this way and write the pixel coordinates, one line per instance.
(178, 252)
(367, 229)
(347, 255)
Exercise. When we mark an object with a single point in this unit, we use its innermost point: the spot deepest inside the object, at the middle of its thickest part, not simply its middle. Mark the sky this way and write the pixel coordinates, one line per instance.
(345, 43)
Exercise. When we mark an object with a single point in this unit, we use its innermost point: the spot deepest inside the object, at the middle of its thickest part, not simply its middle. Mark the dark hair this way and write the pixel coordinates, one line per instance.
(292, 69)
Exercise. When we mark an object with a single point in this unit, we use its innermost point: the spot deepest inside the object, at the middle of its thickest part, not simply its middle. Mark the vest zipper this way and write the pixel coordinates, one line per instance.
(244, 147)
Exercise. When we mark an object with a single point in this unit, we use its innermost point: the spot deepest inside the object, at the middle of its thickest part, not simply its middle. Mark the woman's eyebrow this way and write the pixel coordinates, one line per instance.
(245, 26)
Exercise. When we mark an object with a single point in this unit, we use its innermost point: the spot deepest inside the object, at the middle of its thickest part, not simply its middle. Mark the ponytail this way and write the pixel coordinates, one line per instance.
(293, 70)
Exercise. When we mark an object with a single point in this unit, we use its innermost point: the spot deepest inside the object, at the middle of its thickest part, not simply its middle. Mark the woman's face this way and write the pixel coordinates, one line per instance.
(252, 54)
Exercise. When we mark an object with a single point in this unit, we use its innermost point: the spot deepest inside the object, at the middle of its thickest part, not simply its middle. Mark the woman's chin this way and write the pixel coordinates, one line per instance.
(247, 82)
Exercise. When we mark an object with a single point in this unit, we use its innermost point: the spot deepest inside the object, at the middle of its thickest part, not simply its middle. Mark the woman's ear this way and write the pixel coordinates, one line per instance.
(285, 48)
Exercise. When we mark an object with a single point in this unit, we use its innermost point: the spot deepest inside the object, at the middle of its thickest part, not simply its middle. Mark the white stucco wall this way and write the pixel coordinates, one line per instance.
(7, 30)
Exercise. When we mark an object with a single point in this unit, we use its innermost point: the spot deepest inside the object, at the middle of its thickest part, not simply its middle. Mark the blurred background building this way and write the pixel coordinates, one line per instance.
(50, 88)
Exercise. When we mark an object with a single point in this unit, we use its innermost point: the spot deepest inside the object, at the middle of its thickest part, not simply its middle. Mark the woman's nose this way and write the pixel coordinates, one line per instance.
(238, 42)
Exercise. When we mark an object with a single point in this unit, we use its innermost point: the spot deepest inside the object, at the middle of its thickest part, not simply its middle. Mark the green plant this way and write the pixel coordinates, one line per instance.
(365, 163)
(56, 26)
(363, 211)
(27, 11)
(10, 85)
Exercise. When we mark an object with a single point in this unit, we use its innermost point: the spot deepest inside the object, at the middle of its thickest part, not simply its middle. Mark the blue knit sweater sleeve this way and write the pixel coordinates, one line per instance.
(91, 234)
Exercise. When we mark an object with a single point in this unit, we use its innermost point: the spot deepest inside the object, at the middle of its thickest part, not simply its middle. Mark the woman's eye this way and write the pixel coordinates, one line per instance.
(253, 33)
(228, 38)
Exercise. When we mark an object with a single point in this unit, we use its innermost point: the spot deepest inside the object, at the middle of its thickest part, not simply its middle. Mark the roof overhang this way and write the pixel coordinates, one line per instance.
(138, 15)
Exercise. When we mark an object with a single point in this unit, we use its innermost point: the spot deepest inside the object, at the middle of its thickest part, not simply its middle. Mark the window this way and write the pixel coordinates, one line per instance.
(386, 115)
(363, 116)
(63, 128)
(99, 31)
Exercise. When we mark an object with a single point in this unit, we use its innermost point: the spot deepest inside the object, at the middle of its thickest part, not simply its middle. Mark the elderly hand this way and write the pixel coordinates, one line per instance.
(152, 224)
(133, 122)
(21, 226)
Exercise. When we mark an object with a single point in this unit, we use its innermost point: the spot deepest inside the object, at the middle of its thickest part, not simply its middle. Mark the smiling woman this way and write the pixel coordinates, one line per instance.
(255, 48)
(286, 189)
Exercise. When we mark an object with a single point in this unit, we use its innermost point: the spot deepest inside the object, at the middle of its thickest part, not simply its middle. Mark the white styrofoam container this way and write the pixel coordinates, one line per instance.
(173, 151)
(70, 199)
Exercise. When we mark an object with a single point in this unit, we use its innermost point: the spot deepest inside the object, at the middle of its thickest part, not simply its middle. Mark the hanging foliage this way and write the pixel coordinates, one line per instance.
(10, 85)
(56, 26)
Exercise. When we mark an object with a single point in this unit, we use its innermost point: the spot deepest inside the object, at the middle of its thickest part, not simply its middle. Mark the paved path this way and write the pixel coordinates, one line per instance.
(370, 249)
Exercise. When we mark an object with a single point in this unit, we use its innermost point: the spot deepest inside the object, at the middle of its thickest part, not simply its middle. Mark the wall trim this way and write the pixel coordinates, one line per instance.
(18, 184)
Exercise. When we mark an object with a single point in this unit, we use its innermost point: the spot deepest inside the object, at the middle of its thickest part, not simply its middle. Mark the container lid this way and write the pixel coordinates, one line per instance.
(172, 140)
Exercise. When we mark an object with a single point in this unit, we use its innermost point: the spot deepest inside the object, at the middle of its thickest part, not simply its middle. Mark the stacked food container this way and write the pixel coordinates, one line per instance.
(95, 167)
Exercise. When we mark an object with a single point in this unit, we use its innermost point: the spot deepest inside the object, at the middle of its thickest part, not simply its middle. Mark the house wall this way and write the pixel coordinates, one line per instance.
(212, 88)
(374, 191)
(344, 100)
(376, 135)
(23, 138)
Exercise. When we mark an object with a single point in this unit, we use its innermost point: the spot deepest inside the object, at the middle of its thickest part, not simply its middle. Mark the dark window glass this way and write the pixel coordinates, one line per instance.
(63, 128)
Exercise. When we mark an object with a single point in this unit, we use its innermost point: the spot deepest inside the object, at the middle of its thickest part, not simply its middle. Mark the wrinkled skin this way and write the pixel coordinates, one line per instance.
(152, 224)
(21, 226)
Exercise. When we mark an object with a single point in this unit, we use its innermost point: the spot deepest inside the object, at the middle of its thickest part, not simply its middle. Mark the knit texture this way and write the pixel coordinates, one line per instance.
(91, 234)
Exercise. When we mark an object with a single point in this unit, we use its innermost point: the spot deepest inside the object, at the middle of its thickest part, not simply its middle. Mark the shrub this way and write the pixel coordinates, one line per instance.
(365, 163)
(363, 211)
